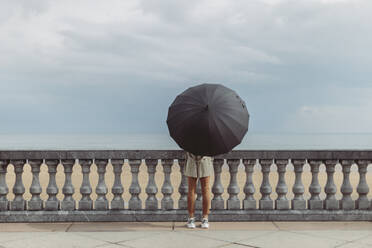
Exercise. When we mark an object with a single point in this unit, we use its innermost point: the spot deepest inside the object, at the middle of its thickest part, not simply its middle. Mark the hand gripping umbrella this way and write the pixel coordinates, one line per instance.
(208, 119)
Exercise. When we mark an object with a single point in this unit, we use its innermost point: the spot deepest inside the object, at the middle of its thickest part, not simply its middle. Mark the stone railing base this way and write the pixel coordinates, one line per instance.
(181, 215)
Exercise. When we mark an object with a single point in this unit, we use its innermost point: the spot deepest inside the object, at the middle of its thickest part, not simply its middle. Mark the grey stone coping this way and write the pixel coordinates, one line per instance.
(181, 215)
(179, 154)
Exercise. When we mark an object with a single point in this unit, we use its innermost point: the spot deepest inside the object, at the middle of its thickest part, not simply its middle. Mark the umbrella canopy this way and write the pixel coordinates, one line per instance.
(208, 119)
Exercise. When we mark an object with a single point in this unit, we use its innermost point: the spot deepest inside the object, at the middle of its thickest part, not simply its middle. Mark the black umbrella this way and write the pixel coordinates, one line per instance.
(208, 119)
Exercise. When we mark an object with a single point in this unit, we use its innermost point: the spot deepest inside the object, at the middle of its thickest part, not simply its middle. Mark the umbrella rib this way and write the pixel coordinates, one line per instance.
(192, 97)
(214, 96)
(225, 95)
(178, 113)
(219, 133)
(237, 121)
(227, 128)
(212, 93)
(224, 109)
(186, 103)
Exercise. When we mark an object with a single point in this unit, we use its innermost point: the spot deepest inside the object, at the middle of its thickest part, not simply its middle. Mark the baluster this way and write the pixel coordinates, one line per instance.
(362, 188)
(35, 202)
(85, 202)
(101, 202)
(249, 202)
(298, 201)
(151, 189)
(199, 196)
(281, 189)
(4, 190)
(68, 203)
(117, 190)
(330, 203)
(265, 202)
(183, 188)
(217, 188)
(315, 202)
(167, 188)
(52, 203)
(346, 188)
(233, 189)
(18, 189)
(135, 202)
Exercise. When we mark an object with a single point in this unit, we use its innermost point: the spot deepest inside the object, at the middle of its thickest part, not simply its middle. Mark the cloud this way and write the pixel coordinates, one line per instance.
(290, 60)
(348, 113)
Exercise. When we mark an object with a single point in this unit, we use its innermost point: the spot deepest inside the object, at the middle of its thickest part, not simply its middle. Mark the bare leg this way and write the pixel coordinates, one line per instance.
(191, 196)
(206, 196)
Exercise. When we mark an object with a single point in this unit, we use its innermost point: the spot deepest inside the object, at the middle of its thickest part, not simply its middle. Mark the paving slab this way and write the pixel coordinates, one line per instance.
(354, 245)
(55, 240)
(366, 240)
(344, 235)
(290, 240)
(319, 225)
(231, 226)
(34, 227)
(171, 239)
(112, 246)
(116, 237)
(17, 236)
(234, 246)
(169, 234)
(120, 226)
(228, 235)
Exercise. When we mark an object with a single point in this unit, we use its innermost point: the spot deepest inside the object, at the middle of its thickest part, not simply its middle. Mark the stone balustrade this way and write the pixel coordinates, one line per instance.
(300, 207)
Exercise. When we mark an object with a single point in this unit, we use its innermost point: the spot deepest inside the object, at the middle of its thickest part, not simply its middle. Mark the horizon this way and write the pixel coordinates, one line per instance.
(140, 141)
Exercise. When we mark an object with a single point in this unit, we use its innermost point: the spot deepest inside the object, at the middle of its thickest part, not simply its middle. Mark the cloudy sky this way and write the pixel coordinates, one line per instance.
(106, 67)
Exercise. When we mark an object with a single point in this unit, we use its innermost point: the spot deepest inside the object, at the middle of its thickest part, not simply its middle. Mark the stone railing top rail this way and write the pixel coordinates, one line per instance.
(179, 154)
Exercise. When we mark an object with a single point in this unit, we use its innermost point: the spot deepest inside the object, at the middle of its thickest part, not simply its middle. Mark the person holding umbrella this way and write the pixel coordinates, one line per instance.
(198, 167)
(206, 120)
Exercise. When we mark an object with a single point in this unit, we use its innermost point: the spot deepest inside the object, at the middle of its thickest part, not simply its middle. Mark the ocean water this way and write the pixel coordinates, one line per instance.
(252, 141)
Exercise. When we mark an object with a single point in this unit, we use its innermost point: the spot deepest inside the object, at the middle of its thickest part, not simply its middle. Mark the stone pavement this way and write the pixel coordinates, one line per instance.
(174, 234)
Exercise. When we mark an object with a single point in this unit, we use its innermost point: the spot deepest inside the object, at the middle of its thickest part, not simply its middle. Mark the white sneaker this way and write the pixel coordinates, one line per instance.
(204, 224)
(190, 223)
